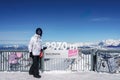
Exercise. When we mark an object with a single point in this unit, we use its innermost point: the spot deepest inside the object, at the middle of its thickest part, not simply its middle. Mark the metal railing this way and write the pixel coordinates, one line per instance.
(106, 61)
(20, 64)
(82, 63)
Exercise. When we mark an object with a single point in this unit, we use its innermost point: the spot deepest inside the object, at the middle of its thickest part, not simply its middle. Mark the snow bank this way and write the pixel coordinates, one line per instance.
(60, 76)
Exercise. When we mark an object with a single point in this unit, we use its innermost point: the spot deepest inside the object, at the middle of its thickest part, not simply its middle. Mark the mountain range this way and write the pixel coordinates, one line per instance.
(110, 43)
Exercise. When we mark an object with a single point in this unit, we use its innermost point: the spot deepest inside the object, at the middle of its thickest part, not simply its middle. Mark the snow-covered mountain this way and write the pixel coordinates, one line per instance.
(13, 47)
(109, 43)
(104, 43)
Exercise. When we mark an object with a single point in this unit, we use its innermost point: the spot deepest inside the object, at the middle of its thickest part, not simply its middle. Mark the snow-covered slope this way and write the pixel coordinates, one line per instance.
(111, 42)
(103, 43)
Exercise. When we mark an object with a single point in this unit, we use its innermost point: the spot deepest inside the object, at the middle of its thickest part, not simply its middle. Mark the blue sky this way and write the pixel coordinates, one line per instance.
(61, 20)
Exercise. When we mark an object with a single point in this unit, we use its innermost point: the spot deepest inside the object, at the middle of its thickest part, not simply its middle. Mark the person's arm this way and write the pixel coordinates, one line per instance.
(30, 47)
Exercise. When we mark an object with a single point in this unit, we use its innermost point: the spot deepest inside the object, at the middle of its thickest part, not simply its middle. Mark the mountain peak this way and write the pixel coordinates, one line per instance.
(111, 42)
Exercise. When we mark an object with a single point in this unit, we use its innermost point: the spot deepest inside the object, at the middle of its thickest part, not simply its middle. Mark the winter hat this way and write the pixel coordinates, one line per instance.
(39, 31)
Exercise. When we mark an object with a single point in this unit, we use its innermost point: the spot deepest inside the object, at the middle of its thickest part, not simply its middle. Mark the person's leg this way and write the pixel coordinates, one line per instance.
(31, 70)
(36, 66)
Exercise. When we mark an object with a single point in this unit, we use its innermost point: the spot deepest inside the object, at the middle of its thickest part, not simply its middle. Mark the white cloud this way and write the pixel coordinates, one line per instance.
(100, 19)
(14, 35)
(13, 32)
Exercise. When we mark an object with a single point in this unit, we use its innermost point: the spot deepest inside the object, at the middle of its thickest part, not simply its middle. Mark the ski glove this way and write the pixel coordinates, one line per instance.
(31, 55)
(44, 48)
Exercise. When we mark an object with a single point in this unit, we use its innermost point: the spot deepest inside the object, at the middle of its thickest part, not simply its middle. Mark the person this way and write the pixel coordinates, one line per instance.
(34, 48)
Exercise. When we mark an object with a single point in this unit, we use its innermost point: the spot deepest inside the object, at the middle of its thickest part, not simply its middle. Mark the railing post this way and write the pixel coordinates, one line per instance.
(93, 59)
(1, 61)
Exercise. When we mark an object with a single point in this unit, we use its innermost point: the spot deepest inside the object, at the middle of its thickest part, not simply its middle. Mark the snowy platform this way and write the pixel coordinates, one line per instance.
(60, 76)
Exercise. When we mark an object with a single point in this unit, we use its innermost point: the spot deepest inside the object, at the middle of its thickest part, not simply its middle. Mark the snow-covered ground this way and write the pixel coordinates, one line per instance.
(89, 75)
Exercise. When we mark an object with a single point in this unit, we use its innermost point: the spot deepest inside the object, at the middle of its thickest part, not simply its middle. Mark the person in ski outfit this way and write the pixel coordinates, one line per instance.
(34, 47)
